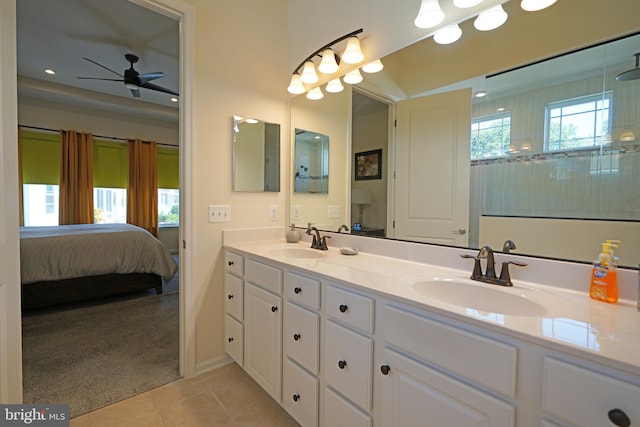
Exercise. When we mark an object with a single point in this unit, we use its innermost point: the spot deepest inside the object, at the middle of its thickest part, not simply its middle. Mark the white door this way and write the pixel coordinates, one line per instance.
(10, 313)
(432, 168)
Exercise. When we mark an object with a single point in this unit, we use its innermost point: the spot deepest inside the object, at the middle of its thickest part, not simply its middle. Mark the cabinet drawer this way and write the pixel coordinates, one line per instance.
(411, 390)
(340, 413)
(585, 398)
(233, 296)
(302, 290)
(486, 362)
(350, 308)
(301, 336)
(234, 263)
(347, 363)
(300, 394)
(233, 340)
(263, 275)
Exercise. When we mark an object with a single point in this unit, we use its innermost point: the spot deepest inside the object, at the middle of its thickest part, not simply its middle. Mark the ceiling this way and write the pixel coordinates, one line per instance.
(58, 34)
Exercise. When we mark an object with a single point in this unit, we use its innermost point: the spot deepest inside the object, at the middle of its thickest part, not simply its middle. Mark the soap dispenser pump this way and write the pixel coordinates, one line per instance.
(604, 281)
(292, 235)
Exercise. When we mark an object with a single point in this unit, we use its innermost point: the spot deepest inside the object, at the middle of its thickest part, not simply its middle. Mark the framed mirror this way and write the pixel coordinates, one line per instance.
(311, 162)
(256, 155)
(541, 188)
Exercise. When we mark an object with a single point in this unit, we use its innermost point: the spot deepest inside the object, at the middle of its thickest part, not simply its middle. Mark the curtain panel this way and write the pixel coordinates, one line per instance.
(76, 177)
(142, 195)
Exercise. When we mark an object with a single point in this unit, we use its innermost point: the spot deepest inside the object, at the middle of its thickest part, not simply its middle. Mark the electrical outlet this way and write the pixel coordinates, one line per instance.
(334, 211)
(219, 213)
(273, 212)
(297, 213)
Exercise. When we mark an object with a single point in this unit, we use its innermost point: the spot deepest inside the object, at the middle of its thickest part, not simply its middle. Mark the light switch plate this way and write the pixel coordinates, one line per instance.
(219, 213)
(334, 211)
(273, 212)
(297, 213)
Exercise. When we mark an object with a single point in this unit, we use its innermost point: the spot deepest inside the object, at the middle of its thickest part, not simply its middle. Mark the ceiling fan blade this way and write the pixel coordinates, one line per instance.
(135, 93)
(98, 78)
(158, 88)
(146, 77)
(100, 65)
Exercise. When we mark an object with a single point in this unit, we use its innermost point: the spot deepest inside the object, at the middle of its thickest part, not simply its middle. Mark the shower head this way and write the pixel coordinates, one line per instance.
(633, 74)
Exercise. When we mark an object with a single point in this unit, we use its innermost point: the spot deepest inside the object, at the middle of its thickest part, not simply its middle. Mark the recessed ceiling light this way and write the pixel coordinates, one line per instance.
(174, 99)
(480, 93)
(500, 109)
(49, 71)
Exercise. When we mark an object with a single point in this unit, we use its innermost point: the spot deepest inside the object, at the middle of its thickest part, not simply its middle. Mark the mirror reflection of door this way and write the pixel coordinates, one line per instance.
(311, 164)
(432, 168)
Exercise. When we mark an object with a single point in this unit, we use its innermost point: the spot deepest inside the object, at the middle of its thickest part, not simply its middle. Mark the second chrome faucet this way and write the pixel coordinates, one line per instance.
(318, 242)
(489, 275)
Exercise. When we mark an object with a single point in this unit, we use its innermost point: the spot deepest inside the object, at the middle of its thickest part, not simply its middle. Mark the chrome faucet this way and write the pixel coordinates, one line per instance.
(489, 275)
(508, 246)
(318, 242)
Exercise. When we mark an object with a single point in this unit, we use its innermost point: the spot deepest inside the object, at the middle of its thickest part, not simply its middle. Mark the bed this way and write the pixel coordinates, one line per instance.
(72, 263)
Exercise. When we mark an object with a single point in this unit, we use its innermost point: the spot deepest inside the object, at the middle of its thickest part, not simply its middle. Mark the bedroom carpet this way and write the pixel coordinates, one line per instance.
(93, 355)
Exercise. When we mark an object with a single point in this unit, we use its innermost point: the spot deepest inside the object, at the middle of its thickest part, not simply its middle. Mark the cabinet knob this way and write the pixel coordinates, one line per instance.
(343, 308)
(230, 296)
(230, 263)
(230, 339)
(296, 337)
(385, 369)
(274, 308)
(342, 364)
(297, 290)
(296, 397)
(619, 418)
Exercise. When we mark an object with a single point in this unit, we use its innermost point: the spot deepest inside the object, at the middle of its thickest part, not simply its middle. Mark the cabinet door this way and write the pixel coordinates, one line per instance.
(233, 338)
(263, 338)
(301, 336)
(233, 296)
(300, 394)
(415, 395)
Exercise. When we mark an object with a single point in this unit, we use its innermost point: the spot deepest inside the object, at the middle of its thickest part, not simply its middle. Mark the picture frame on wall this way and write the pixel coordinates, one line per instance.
(368, 165)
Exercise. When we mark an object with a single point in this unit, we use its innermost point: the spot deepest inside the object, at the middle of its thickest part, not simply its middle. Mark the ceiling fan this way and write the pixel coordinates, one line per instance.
(132, 79)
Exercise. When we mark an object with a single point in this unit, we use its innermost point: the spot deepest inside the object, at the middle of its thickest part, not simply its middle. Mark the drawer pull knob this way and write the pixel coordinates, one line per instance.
(343, 308)
(230, 339)
(342, 364)
(297, 290)
(385, 369)
(230, 296)
(274, 308)
(296, 397)
(296, 337)
(230, 263)
(619, 418)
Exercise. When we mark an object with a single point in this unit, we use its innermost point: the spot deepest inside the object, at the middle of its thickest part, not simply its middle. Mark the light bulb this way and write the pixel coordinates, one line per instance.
(534, 5)
(309, 74)
(430, 14)
(334, 86)
(463, 4)
(490, 19)
(295, 86)
(447, 35)
(352, 53)
(315, 94)
(328, 65)
(373, 67)
(353, 77)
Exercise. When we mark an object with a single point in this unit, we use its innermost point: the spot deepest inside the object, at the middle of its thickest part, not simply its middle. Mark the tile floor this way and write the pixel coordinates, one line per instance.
(224, 397)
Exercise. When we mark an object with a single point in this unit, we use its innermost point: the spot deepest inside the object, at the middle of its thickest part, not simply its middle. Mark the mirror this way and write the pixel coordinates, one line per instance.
(256, 155)
(553, 200)
(311, 162)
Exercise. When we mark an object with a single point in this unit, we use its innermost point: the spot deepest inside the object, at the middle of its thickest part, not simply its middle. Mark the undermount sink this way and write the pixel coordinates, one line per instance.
(298, 252)
(481, 297)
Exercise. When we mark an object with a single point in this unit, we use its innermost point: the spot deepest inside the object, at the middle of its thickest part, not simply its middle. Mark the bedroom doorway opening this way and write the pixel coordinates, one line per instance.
(182, 14)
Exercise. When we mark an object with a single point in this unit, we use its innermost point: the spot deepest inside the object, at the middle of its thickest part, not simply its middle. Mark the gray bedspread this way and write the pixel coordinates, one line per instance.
(69, 251)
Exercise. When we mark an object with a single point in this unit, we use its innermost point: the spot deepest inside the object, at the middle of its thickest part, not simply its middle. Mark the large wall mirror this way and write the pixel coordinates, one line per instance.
(548, 158)
(256, 155)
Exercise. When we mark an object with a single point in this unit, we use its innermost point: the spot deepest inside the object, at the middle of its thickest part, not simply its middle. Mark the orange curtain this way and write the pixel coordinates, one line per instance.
(76, 177)
(142, 193)
(20, 197)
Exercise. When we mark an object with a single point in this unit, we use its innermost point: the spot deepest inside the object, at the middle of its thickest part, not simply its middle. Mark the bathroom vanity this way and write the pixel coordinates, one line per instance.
(371, 340)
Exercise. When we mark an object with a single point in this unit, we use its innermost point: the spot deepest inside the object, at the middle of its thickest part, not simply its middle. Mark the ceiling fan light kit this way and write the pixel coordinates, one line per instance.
(132, 79)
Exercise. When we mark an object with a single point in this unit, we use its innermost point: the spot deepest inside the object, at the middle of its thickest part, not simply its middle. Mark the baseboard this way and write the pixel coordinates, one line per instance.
(214, 363)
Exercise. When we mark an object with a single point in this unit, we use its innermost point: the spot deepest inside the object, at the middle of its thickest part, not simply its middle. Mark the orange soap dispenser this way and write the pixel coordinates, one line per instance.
(604, 280)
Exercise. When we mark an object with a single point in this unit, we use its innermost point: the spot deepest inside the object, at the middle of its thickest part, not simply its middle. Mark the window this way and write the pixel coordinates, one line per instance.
(583, 122)
(40, 202)
(109, 205)
(40, 177)
(491, 136)
(168, 187)
(110, 169)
